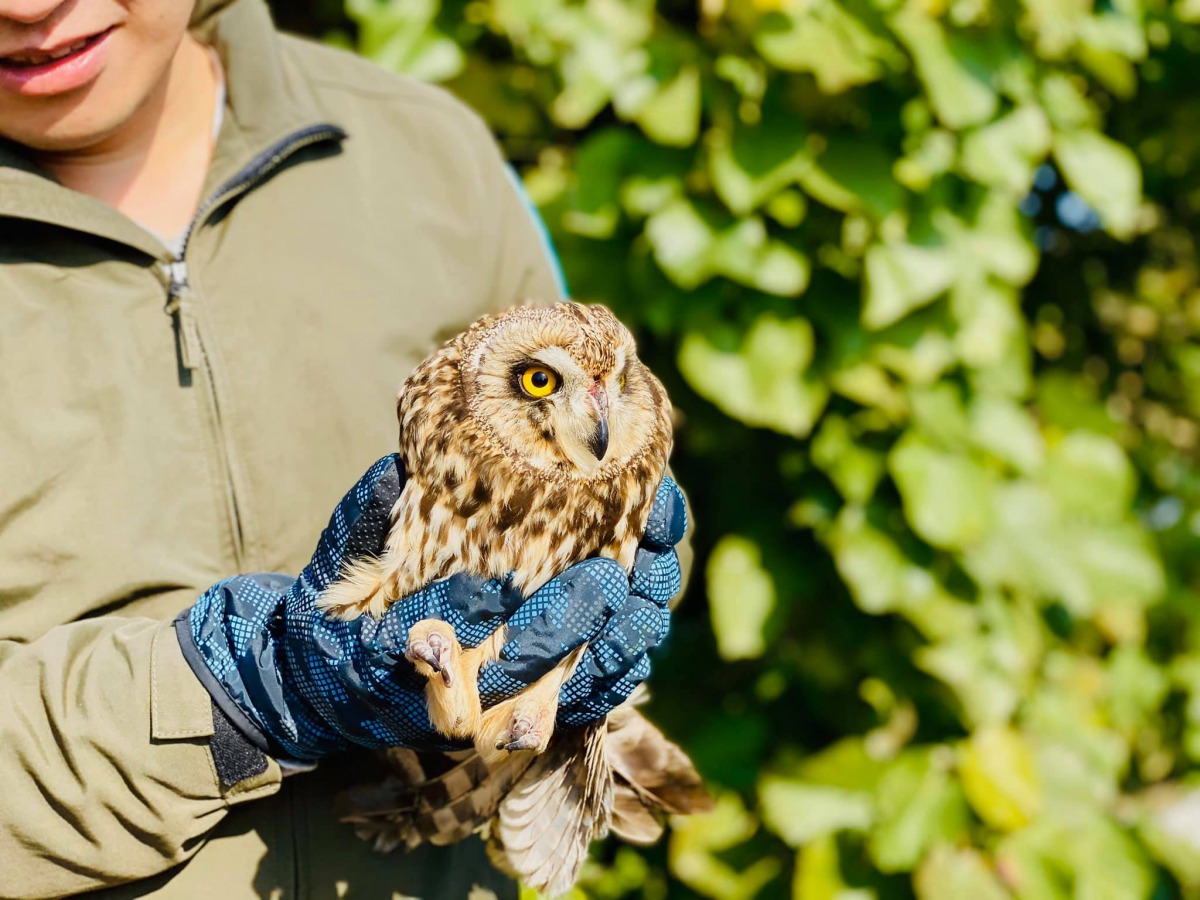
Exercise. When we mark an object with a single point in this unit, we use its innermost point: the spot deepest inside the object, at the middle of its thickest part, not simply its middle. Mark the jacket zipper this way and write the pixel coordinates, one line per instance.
(192, 353)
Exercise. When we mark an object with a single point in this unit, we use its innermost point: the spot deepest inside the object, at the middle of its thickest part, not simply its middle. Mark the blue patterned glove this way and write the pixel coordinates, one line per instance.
(301, 685)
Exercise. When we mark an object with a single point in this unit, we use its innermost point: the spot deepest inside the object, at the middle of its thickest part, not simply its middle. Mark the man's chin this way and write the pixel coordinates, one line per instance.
(71, 124)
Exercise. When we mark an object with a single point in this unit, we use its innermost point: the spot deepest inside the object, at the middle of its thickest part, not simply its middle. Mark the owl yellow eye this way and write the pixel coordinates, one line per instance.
(538, 381)
(621, 383)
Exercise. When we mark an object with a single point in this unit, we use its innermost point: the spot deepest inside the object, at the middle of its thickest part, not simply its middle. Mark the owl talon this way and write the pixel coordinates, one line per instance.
(525, 742)
(427, 644)
(421, 651)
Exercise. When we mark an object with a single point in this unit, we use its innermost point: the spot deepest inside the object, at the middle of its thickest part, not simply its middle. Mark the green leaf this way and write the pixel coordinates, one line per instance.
(956, 82)
(919, 804)
(881, 579)
(955, 874)
(1035, 547)
(1107, 862)
(998, 776)
(901, 278)
(985, 688)
(845, 764)
(854, 174)
(1090, 475)
(1005, 153)
(599, 169)
(826, 40)
(800, 812)
(682, 240)
(1105, 174)
(697, 840)
(1007, 431)
(819, 877)
(765, 382)
(854, 469)
(741, 596)
(672, 115)
(946, 495)
(402, 37)
(748, 167)
(745, 254)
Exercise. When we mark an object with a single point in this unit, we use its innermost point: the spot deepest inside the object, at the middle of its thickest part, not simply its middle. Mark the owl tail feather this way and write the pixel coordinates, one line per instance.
(364, 588)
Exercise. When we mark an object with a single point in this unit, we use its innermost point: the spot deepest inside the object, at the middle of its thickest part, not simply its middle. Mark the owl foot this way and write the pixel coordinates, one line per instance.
(525, 733)
(452, 693)
(524, 722)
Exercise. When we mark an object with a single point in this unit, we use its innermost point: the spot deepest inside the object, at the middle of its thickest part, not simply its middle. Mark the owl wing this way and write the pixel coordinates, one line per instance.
(558, 807)
(416, 807)
(652, 769)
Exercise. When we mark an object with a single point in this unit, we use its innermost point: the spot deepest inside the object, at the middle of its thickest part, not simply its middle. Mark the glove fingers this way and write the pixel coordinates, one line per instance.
(568, 611)
(473, 606)
(619, 650)
(668, 518)
(656, 575)
(359, 524)
(605, 696)
(374, 498)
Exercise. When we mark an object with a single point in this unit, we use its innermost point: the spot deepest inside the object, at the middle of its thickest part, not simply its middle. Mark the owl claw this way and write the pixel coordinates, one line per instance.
(522, 734)
(421, 650)
(436, 652)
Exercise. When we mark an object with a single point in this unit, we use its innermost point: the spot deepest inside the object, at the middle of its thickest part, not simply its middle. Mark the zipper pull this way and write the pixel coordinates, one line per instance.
(180, 308)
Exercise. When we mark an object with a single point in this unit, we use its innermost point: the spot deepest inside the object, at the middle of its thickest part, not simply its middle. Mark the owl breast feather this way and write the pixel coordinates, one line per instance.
(530, 528)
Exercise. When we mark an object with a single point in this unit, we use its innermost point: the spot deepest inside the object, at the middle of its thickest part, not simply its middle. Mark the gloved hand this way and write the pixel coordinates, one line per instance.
(301, 685)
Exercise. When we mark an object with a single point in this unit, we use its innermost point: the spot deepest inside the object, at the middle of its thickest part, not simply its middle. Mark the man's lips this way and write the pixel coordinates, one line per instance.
(53, 70)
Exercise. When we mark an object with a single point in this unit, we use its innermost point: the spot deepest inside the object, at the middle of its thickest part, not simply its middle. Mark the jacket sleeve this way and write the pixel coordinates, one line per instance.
(107, 758)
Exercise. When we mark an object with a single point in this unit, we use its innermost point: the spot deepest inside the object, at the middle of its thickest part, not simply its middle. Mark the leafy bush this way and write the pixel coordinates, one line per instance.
(921, 277)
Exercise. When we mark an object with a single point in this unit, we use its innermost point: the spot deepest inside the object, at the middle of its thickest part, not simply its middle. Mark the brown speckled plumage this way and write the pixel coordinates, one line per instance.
(489, 489)
(502, 481)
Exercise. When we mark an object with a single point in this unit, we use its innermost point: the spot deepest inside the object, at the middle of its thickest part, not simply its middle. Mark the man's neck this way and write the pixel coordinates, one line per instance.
(153, 168)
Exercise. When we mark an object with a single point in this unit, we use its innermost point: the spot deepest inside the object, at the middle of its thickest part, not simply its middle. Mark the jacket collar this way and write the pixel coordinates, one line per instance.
(268, 101)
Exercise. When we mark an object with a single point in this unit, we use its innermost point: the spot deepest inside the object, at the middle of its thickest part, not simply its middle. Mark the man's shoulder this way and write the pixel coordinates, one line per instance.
(339, 76)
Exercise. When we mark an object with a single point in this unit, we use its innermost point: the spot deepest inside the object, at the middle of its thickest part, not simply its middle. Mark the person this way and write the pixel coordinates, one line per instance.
(221, 250)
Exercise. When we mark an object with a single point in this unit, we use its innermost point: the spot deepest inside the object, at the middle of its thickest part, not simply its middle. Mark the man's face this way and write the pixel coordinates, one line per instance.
(72, 72)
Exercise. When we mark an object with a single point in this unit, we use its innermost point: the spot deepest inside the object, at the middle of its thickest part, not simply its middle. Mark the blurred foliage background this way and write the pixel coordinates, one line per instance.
(921, 277)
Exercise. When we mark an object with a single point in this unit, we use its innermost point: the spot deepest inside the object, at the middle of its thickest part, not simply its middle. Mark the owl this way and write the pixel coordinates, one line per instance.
(532, 441)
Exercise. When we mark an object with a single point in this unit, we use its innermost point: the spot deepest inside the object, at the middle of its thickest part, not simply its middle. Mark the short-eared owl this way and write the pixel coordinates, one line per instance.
(532, 441)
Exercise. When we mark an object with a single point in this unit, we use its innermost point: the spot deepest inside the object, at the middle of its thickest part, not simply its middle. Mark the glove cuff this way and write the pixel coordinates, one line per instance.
(216, 689)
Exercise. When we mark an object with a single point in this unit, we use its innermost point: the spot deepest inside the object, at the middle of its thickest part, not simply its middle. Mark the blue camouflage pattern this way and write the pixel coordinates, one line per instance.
(311, 685)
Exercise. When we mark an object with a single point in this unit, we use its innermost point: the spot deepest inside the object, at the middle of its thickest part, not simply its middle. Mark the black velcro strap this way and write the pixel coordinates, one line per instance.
(235, 757)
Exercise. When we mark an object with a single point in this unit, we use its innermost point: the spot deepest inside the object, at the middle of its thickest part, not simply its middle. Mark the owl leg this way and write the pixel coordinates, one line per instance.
(452, 692)
(526, 721)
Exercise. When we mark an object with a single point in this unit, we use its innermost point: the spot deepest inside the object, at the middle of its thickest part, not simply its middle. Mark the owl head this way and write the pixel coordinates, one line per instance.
(562, 390)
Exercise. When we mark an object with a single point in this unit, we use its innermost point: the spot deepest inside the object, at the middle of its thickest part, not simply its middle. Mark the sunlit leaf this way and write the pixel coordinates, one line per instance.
(672, 115)
(949, 873)
(957, 85)
(1104, 173)
(799, 812)
(696, 842)
(825, 39)
(765, 382)
(998, 775)
(741, 596)
(901, 278)
(1006, 152)
(947, 495)
(919, 804)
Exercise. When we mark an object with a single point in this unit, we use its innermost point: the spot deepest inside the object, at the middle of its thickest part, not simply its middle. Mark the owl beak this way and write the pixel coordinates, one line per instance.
(599, 440)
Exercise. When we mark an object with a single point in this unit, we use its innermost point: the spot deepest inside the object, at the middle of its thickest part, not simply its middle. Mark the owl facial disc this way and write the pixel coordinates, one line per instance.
(562, 391)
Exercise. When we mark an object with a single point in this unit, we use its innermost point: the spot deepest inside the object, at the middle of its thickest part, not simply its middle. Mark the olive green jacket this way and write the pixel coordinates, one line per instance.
(165, 424)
